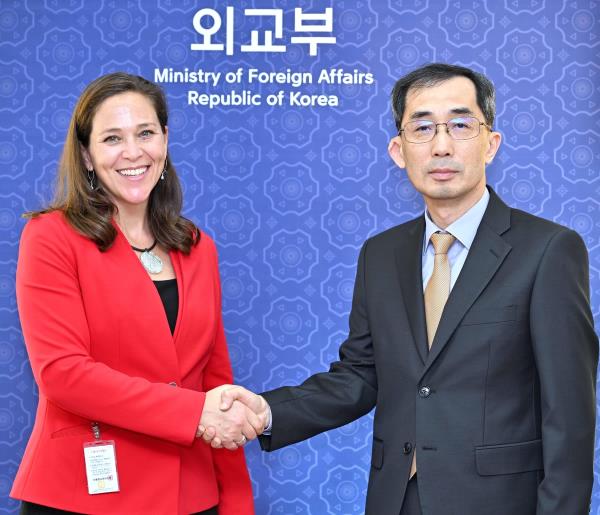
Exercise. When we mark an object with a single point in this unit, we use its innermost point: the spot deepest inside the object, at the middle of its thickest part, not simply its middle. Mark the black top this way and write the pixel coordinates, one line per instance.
(169, 295)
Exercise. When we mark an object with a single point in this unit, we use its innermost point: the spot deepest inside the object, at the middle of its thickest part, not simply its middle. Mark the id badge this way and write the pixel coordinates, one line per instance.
(101, 466)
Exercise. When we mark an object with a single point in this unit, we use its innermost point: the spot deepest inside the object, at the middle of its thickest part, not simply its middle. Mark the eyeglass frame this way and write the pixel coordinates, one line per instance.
(400, 131)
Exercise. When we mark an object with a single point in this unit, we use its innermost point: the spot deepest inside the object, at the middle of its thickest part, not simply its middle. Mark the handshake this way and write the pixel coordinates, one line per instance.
(232, 416)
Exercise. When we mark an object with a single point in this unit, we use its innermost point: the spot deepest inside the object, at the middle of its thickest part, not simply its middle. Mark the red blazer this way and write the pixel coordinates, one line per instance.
(101, 350)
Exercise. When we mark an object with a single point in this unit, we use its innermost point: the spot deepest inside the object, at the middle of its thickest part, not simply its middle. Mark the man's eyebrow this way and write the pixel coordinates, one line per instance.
(420, 114)
(417, 115)
(461, 110)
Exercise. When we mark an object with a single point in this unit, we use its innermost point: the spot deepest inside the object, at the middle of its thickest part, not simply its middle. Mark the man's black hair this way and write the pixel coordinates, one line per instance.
(435, 73)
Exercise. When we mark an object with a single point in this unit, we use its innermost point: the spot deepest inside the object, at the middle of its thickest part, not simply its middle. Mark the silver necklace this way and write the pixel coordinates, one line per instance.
(152, 263)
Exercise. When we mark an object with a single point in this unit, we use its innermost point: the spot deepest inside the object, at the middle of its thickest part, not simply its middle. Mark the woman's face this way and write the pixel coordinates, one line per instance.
(127, 149)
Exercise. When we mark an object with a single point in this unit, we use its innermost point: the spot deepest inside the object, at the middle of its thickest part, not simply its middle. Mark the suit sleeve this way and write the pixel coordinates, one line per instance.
(235, 490)
(56, 334)
(330, 399)
(566, 354)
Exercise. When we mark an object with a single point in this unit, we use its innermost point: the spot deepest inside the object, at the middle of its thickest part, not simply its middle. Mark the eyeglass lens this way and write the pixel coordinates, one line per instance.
(421, 131)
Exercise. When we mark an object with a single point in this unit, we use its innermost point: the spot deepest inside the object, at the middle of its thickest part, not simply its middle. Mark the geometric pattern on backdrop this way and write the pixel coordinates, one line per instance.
(290, 193)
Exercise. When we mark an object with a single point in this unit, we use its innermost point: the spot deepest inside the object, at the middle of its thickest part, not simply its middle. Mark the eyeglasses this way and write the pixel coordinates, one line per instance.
(423, 131)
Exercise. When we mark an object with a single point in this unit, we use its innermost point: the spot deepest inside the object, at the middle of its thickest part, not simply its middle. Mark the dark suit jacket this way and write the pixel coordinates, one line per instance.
(502, 409)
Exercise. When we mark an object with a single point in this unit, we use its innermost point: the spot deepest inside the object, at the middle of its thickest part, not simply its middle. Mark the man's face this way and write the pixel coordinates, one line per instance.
(447, 172)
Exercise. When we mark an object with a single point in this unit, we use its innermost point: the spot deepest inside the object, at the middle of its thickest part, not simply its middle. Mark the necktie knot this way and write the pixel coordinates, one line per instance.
(442, 241)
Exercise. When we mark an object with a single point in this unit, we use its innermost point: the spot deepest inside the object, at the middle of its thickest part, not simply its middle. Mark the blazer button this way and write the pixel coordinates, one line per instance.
(407, 448)
(172, 383)
(424, 391)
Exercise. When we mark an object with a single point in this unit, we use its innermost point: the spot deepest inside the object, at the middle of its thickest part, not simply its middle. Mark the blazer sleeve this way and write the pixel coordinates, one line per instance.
(566, 354)
(330, 399)
(56, 334)
(235, 490)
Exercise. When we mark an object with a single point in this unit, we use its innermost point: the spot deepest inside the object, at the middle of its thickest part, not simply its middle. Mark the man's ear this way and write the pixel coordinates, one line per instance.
(86, 157)
(494, 141)
(396, 151)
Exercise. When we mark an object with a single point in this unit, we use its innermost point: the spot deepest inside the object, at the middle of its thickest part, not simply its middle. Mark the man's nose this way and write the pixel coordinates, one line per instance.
(442, 143)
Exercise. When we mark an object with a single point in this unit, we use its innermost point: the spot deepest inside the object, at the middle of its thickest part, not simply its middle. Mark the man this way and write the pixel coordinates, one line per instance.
(470, 332)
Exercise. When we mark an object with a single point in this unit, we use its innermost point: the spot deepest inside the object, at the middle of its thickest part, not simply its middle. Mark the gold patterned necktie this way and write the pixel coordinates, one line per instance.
(436, 294)
(438, 287)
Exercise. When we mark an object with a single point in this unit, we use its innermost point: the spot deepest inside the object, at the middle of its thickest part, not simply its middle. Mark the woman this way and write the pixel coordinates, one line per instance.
(119, 301)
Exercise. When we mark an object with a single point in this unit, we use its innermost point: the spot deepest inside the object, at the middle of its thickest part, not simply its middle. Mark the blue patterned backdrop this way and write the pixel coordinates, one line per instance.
(289, 193)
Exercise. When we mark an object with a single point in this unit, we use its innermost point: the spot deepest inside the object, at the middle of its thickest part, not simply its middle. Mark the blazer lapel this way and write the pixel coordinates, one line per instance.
(487, 253)
(140, 285)
(181, 292)
(410, 274)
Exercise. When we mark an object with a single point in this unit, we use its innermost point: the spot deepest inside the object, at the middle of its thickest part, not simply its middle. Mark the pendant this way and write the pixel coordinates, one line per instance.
(151, 262)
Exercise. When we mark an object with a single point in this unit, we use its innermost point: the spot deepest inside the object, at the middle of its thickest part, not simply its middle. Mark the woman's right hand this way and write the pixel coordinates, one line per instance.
(230, 427)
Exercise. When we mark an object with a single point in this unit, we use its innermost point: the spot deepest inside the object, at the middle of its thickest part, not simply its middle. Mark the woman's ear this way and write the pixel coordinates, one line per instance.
(166, 133)
(87, 159)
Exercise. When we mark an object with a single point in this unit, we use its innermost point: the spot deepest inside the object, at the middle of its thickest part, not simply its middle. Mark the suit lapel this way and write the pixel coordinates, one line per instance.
(487, 253)
(409, 263)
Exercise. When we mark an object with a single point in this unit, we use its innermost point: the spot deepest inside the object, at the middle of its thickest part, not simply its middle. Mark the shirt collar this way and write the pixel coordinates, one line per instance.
(464, 228)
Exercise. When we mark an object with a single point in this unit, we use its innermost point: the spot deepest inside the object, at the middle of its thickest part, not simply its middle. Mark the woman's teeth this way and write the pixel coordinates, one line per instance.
(132, 172)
